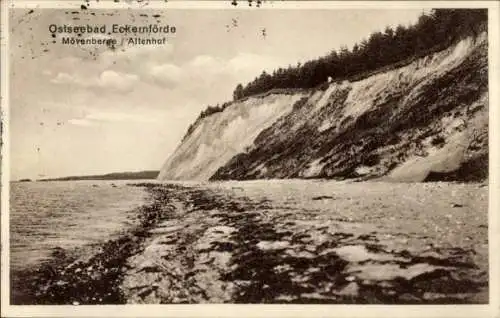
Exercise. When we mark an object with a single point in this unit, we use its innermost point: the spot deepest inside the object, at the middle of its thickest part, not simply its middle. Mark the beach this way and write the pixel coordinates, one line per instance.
(281, 241)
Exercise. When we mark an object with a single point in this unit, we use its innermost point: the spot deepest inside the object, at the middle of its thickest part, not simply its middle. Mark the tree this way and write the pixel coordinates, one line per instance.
(432, 32)
(238, 92)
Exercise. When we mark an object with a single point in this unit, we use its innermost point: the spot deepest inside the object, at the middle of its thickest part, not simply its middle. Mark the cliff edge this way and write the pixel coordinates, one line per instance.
(424, 121)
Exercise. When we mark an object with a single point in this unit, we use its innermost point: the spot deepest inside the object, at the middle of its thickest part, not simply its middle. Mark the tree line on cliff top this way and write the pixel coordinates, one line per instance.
(434, 31)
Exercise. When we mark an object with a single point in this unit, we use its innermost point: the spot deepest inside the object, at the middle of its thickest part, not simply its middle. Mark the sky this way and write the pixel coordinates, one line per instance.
(80, 110)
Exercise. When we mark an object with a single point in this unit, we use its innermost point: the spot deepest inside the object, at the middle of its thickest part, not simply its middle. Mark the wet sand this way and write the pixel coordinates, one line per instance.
(290, 241)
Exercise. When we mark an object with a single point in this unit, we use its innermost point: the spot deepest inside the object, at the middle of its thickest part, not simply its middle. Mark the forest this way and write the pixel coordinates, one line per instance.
(434, 31)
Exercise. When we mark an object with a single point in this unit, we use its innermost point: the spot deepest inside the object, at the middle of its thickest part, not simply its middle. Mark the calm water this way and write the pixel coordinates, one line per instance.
(67, 214)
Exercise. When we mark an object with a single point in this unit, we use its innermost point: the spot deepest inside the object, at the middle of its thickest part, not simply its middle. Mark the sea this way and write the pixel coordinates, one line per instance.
(55, 215)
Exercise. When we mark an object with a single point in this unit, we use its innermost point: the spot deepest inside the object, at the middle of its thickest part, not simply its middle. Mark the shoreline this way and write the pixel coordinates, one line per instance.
(94, 278)
(228, 243)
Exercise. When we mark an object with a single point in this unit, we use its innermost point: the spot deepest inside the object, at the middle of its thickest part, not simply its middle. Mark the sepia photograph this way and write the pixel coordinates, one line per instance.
(248, 152)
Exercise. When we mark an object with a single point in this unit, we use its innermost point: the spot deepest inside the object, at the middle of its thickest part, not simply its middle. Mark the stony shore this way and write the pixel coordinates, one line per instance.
(289, 241)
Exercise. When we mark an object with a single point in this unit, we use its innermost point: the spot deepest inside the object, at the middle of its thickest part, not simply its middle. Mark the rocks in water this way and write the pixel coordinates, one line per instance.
(222, 230)
(350, 290)
(230, 249)
(216, 237)
(300, 253)
(384, 272)
(148, 266)
(359, 253)
(350, 278)
(409, 298)
(322, 197)
(273, 245)
(166, 229)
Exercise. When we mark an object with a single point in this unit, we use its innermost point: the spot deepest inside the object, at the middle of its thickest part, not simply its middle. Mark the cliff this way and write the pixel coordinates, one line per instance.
(426, 120)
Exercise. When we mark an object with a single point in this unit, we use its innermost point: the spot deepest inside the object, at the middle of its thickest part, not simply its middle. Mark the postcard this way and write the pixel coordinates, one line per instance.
(250, 158)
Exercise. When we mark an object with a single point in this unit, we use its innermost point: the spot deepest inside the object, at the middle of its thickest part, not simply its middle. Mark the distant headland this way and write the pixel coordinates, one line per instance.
(147, 174)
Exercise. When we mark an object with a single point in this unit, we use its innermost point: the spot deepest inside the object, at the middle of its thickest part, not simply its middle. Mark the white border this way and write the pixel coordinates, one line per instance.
(438, 311)
(494, 158)
(243, 4)
(5, 159)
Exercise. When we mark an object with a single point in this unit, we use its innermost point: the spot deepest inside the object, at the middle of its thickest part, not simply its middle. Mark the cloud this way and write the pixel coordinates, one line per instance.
(241, 68)
(106, 80)
(253, 63)
(80, 122)
(98, 117)
(116, 80)
(155, 78)
(168, 74)
(207, 64)
(119, 116)
(64, 78)
(138, 54)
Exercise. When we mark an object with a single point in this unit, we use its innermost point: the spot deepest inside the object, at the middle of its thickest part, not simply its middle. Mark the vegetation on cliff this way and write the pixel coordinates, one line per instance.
(415, 109)
(433, 32)
(408, 123)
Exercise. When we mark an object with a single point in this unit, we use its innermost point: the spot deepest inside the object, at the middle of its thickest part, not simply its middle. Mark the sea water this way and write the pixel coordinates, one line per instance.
(45, 216)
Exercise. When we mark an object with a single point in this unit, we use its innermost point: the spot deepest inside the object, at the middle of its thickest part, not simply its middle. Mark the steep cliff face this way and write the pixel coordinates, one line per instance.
(219, 137)
(427, 120)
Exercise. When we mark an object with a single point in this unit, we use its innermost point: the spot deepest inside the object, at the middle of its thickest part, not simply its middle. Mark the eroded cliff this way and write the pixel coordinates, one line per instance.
(427, 120)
